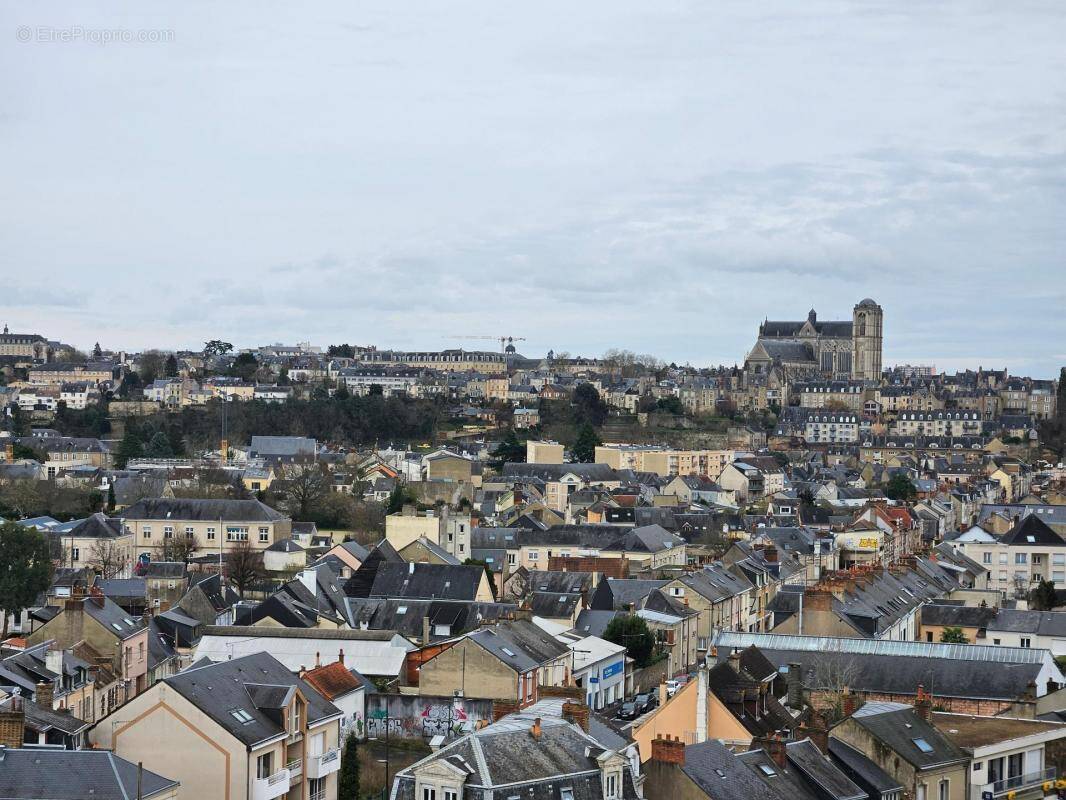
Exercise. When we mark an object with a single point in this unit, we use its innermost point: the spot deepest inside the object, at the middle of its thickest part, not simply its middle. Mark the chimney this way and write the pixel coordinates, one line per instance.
(923, 703)
(662, 692)
(425, 630)
(9, 452)
(817, 600)
(53, 661)
(12, 723)
(577, 713)
(770, 554)
(409, 510)
(318, 659)
(818, 732)
(849, 702)
(45, 695)
(794, 681)
(774, 747)
(340, 656)
(535, 730)
(668, 751)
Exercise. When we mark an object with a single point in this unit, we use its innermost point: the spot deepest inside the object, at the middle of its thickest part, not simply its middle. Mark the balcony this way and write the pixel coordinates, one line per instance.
(1021, 783)
(295, 768)
(274, 786)
(322, 765)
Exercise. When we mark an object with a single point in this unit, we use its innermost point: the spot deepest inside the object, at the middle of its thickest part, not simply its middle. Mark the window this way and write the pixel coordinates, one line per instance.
(264, 535)
(1024, 642)
(922, 745)
(943, 791)
(429, 793)
(1020, 558)
(1002, 558)
(1037, 558)
(264, 766)
(236, 533)
(1059, 559)
(316, 788)
(611, 783)
(511, 559)
(294, 727)
(168, 531)
(241, 716)
(75, 554)
(451, 794)
(189, 531)
(987, 559)
(146, 531)
(533, 555)
(210, 533)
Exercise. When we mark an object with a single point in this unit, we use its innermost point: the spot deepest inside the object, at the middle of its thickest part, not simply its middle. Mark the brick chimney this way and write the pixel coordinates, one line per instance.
(535, 730)
(668, 751)
(850, 702)
(818, 732)
(817, 600)
(9, 452)
(923, 703)
(794, 682)
(774, 747)
(577, 713)
(425, 631)
(12, 723)
(45, 694)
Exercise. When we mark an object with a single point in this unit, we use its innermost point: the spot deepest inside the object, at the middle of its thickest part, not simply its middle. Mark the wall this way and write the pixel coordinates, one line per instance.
(468, 668)
(425, 716)
(676, 717)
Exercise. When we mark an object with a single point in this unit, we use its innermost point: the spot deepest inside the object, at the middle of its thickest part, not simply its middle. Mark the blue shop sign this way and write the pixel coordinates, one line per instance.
(612, 669)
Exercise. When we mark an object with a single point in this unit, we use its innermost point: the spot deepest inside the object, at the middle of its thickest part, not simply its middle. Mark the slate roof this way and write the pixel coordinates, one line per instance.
(557, 581)
(287, 446)
(41, 719)
(123, 588)
(529, 646)
(113, 618)
(503, 759)
(226, 686)
(554, 604)
(821, 772)
(32, 774)
(405, 616)
(723, 776)
(861, 769)
(202, 510)
(1031, 530)
(594, 622)
(422, 581)
(591, 473)
(98, 526)
(619, 593)
(899, 728)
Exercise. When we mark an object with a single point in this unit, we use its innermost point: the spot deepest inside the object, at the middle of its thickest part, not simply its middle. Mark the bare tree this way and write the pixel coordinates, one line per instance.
(244, 566)
(306, 483)
(831, 676)
(22, 496)
(180, 548)
(107, 558)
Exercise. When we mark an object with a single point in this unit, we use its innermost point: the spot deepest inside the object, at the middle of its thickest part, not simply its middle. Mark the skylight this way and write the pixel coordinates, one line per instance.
(923, 745)
(401, 610)
(241, 716)
(767, 770)
(508, 651)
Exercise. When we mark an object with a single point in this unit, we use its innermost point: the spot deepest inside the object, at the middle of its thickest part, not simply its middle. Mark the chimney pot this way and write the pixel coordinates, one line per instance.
(535, 730)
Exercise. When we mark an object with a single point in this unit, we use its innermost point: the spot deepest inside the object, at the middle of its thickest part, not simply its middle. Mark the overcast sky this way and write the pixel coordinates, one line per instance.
(654, 176)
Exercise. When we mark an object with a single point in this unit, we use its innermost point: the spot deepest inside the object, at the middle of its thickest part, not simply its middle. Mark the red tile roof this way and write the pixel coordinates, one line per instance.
(332, 680)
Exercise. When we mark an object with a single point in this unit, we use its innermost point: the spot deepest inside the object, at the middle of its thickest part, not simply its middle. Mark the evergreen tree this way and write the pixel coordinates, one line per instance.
(159, 446)
(131, 446)
(1043, 597)
(111, 498)
(170, 367)
(348, 778)
(25, 570)
(632, 633)
(900, 488)
(510, 450)
(953, 635)
(97, 352)
(584, 448)
(399, 497)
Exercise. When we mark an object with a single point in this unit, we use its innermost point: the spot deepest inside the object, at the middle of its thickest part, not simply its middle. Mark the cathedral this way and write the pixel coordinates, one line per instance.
(810, 349)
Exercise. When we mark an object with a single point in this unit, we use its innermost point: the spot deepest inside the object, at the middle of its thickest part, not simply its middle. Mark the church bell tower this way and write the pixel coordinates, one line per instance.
(867, 319)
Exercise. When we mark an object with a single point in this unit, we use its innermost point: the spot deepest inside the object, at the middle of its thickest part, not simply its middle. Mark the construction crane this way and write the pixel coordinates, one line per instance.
(506, 342)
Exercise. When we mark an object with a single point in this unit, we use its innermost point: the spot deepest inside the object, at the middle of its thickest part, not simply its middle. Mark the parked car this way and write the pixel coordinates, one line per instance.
(645, 702)
(629, 710)
(673, 687)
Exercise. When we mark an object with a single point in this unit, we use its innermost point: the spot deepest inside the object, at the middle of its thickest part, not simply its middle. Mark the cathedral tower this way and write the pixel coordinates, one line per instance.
(867, 321)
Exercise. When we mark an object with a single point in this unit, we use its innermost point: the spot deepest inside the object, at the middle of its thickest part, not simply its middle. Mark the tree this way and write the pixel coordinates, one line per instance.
(97, 352)
(111, 502)
(25, 569)
(588, 407)
(306, 483)
(953, 635)
(131, 446)
(584, 448)
(107, 558)
(130, 386)
(216, 347)
(671, 404)
(170, 367)
(348, 779)
(340, 351)
(899, 487)
(23, 497)
(244, 367)
(180, 548)
(1043, 596)
(510, 450)
(21, 451)
(150, 366)
(244, 566)
(632, 633)
(399, 497)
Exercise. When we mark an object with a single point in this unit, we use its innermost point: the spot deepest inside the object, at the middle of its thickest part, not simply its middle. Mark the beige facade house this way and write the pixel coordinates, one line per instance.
(215, 525)
(99, 542)
(544, 452)
(244, 729)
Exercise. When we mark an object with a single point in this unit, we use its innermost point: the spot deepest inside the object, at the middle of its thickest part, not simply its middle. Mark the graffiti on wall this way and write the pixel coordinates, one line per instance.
(414, 717)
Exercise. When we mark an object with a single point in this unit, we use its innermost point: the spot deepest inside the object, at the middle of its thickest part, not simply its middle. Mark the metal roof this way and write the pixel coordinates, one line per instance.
(954, 652)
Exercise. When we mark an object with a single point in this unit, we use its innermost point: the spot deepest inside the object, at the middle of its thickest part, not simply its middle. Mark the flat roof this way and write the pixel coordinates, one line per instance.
(970, 731)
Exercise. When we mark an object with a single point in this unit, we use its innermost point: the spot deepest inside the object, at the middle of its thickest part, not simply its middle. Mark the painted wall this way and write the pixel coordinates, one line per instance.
(423, 717)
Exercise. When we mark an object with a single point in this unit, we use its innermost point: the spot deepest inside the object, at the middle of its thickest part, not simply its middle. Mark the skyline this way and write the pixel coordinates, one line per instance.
(653, 179)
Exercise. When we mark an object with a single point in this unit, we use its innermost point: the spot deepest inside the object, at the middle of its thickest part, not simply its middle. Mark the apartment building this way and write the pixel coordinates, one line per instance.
(215, 525)
(663, 461)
